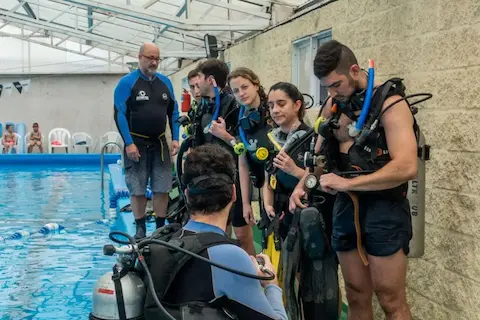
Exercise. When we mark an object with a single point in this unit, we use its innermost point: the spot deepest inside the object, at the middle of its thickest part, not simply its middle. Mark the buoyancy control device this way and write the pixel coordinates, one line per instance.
(129, 292)
(307, 251)
(366, 133)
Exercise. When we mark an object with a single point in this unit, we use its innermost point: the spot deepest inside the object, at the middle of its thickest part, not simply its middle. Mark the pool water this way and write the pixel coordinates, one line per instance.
(51, 276)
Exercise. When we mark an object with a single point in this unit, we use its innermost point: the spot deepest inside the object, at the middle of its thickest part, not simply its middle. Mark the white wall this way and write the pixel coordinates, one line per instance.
(75, 102)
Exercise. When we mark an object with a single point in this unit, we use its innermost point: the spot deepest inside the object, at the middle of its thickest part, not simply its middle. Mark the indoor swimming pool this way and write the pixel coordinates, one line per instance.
(50, 276)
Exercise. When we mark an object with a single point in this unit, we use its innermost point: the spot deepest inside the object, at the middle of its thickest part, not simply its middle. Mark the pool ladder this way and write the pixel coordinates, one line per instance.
(102, 155)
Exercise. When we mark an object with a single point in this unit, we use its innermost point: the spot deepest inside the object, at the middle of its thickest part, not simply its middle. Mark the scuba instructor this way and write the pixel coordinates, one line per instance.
(387, 155)
(143, 100)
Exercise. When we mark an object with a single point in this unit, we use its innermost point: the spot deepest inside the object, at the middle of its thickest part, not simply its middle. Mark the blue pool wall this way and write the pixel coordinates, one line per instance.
(119, 198)
(58, 159)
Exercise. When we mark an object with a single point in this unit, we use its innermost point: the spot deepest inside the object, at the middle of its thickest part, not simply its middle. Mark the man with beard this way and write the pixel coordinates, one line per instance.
(389, 155)
(143, 100)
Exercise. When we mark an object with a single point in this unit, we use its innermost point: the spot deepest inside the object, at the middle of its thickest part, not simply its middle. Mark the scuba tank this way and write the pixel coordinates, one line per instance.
(129, 293)
(119, 294)
(416, 197)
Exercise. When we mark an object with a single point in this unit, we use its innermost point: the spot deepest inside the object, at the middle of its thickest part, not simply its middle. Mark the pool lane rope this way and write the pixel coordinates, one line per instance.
(122, 194)
(49, 228)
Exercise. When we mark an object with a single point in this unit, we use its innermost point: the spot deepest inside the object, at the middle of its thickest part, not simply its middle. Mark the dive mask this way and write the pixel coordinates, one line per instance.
(251, 120)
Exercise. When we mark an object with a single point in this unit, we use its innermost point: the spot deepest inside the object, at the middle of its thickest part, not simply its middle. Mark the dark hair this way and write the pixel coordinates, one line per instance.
(293, 93)
(209, 160)
(35, 124)
(216, 68)
(192, 74)
(331, 56)
(8, 126)
(250, 76)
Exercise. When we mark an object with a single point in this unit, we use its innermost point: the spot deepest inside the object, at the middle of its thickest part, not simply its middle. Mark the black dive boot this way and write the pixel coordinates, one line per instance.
(159, 222)
(141, 229)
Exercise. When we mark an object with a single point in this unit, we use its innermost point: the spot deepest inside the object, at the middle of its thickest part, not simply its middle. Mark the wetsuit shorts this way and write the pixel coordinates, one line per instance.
(150, 166)
(386, 224)
(236, 213)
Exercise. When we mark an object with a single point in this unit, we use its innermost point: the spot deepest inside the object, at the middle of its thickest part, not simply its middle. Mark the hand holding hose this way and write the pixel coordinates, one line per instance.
(296, 199)
(283, 162)
(218, 128)
(264, 267)
(332, 183)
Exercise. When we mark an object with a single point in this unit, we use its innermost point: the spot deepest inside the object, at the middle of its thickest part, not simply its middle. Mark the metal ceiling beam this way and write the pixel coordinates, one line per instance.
(23, 19)
(172, 21)
(190, 38)
(233, 7)
(111, 45)
(179, 13)
(51, 20)
(16, 36)
(131, 26)
(85, 54)
(260, 3)
(28, 9)
(149, 4)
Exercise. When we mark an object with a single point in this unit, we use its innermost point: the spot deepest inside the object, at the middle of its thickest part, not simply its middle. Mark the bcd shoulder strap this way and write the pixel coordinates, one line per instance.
(390, 88)
(195, 243)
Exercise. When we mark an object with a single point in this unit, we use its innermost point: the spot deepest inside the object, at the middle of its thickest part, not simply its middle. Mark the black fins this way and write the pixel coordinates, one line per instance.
(319, 278)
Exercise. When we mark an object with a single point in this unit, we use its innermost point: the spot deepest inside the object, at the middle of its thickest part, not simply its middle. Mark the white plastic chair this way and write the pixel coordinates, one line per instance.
(27, 141)
(82, 137)
(111, 136)
(59, 134)
(16, 145)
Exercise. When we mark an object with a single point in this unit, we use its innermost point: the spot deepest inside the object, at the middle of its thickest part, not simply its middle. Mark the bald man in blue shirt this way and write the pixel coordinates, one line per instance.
(143, 100)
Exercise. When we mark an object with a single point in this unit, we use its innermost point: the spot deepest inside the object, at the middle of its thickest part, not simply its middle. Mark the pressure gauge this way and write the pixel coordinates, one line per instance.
(311, 182)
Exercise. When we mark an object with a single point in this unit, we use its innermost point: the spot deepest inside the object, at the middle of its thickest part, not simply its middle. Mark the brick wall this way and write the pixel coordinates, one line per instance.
(435, 46)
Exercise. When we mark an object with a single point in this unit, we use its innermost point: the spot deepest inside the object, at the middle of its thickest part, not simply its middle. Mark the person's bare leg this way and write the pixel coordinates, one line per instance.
(228, 231)
(160, 206)
(40, 147)
(358, 286)
(389, 281)
(139, 204)
(245, 237)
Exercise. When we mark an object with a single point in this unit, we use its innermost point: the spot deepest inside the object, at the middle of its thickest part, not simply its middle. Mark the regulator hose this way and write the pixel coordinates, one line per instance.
(137, 248)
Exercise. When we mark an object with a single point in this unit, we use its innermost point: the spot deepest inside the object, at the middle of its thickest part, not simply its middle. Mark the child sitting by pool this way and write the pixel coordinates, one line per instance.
(9, 139)
(35, 139)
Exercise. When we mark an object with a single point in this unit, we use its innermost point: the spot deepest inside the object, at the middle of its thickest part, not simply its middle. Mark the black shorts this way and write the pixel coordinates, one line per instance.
(386, 224)
(236, 213)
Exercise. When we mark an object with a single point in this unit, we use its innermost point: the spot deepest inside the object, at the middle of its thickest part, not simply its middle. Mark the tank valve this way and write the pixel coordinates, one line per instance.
(311, 160)
(108, 250)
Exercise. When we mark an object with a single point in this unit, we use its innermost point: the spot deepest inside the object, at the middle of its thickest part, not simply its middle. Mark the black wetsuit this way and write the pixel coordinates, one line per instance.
(229, 110)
